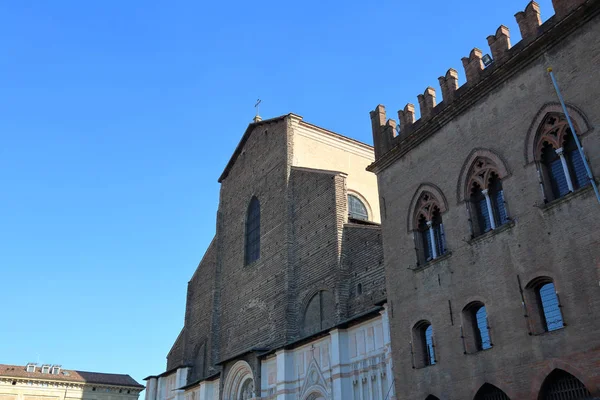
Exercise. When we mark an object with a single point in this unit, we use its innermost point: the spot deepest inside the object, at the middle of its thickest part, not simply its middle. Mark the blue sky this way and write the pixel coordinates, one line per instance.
(117, 117)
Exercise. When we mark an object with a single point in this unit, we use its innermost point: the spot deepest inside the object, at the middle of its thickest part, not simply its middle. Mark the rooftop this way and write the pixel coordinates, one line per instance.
(66, 375)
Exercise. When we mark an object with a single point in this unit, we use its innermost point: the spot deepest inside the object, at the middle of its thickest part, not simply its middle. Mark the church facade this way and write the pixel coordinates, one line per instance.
(289, 300)
(490, 221)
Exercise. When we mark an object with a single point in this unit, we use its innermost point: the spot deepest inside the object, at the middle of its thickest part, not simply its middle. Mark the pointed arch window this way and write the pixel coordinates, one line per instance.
(487, 205)
(430, 238)
(560, 385)
(490, 392)
(561, 166)
(252, 252)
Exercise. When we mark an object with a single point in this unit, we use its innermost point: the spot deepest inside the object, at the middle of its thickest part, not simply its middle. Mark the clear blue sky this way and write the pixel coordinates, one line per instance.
(117, 117)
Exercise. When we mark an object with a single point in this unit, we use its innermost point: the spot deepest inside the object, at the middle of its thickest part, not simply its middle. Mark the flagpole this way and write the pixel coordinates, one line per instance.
(585, 163)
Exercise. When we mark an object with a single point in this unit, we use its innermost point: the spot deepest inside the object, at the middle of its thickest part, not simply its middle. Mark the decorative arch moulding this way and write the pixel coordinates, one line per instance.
(540, 127)
(427, 195)
(471, 171)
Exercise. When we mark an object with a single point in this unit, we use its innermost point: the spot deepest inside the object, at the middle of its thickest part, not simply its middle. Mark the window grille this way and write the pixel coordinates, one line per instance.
(490, 392)
(561, 385)
(253, 231)
(356, 208)
(553, 319)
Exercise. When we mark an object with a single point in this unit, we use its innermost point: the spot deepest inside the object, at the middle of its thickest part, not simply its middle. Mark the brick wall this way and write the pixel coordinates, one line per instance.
(251, 307)
(559, 240)
(363, 259)
(236, 311)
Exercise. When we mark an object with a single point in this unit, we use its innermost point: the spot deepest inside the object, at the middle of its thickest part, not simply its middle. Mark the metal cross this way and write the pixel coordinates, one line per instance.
(256, 105)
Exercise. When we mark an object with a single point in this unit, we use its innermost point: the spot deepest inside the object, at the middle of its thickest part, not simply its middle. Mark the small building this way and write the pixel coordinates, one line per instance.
(52, 382)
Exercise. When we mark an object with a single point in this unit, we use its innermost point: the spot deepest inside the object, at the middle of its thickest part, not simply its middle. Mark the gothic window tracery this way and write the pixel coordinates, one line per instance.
(488, 208)
(562, 167)
(429, 230)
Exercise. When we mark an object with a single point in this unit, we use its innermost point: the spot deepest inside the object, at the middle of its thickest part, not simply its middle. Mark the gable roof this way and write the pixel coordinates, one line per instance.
(243, 141)
(252, 125)
(67, 375)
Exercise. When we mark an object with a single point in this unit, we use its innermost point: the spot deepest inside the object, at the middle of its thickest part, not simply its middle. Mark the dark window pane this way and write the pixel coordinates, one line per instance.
(482, 326)
(429, 345)
(500, 207)
(549, 301)
(356, 208)
(253, 231)
(557, 176)
(427, 247)
(490, 392)
(579, 175)
(483, 215)
(440, 239)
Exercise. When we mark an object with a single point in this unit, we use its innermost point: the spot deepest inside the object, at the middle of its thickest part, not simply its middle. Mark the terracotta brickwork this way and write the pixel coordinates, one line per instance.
(312, 256)
(500, 117)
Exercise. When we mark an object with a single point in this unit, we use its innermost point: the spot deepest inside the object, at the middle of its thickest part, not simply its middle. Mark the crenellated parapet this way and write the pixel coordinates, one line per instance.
(529, 20)
(385, 134)
(499, 43)
(449, 85)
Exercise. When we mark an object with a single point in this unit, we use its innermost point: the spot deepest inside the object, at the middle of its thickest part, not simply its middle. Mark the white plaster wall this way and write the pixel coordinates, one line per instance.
(318, 148)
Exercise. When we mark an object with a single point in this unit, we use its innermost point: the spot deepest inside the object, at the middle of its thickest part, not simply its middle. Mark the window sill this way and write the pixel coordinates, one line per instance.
(478, 351)
(508, 225)
(426, 366)
(547, 333)
(428, 264)
(566, 198)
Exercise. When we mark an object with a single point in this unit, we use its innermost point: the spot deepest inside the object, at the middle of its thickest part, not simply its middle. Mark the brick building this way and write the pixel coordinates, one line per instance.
(288, 301)
(491, 233)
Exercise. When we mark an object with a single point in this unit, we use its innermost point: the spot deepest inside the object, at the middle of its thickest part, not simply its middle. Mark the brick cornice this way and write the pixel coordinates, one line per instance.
(524, 53)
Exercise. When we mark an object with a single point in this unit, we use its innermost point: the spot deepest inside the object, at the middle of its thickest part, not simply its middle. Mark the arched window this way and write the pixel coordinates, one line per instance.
(490, 392)
(253, 231)
(562, 167)
(319, 313)
(431, 397)
(546, 312)
(423, 345)
(356, 208)
(475, 329)
(560, 385)
(430, 240)
(488, 209)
